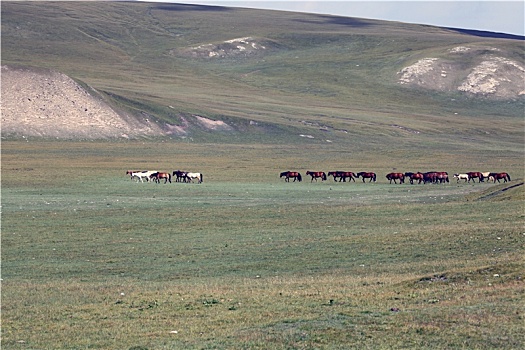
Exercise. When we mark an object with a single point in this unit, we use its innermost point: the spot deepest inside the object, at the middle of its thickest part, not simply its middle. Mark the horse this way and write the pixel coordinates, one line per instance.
(430, 176)
(316, 174)
(160, 175)
(442, 176)
(191, 176)
(396, 176)
(180, 176)
(486, 175)
(473, 175)
(498, 176)
(414, 176)
(365, 175)
(140, 174)
(131, 173)
(291, 174)
(461, 177)
(342, 175)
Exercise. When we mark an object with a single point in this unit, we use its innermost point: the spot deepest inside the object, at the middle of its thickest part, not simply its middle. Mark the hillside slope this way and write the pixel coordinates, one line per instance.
(49, 104)
(215, 73)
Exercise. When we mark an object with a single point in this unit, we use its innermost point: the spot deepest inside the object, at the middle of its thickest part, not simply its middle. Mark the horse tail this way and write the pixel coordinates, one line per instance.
(169, 177)
(374, 177)
(324, 176)
(201, 177)
(508, 177)
(299, 177)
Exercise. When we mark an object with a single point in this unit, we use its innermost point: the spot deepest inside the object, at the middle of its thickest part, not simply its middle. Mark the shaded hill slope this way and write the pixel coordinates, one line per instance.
(272, 76)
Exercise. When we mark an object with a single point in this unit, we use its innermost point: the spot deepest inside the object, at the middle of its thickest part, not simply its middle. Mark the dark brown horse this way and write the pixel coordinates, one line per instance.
(342, 175)
(473, 175)
(396, 176)
(180, 176)
(291, 174)
(158, 176)
(430, 176)
(316, 175)
(364, 175)
(499, 176)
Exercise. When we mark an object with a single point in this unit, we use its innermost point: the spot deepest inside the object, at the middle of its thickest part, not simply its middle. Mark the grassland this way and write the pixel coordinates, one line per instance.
(91, 259)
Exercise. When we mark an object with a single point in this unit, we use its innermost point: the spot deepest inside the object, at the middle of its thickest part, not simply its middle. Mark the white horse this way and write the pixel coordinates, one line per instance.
(141, 174)
(486, 175)
(461, 177)
(192, 176)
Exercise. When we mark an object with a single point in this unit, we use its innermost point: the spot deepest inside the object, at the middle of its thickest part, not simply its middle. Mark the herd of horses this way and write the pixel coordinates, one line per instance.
(340, 176)
(419, 177)
(157, 176)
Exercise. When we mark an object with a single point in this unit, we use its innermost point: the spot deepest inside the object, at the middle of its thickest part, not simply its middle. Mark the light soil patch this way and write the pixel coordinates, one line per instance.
(490, 75)
(213, 124)
(44, 103)
(237, 47)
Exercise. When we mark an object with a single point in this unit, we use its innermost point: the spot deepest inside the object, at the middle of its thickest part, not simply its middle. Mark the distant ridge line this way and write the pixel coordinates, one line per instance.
(487, 34)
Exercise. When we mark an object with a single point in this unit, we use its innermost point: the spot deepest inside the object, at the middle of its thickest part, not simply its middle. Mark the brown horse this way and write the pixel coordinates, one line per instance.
(396, 176)
(365, 175)
(473, 175)
(442, 177)
(291, 174)
(158, 175)
(435, 177)
(414, 176)
(316, 174)
(342, 175)
(499, 176)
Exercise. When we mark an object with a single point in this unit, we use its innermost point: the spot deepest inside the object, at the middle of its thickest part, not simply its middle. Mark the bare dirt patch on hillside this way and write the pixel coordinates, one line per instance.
(490, 73)
(233, 48)
(44, 103)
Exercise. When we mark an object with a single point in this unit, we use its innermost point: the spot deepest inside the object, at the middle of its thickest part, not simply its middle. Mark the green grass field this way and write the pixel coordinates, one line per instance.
(92, 260)
(244, 260)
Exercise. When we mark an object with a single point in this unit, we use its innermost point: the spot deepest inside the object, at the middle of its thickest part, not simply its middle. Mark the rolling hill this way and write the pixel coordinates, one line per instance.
(216, 74)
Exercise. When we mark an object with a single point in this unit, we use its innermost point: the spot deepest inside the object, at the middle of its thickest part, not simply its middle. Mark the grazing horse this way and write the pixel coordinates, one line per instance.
(486, 175)
(414, 176)
(316, 174)
(140, 174)
(131, 173)
(442, 176)
(191, 176)
(461, 177)
(342, 175)
(473, 175)
(365, 175)
(430, 176)
(498, 176)
(159, 175)
(291, 174)
(396, 176)
(180, 176)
